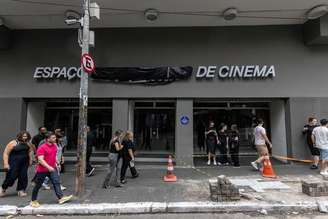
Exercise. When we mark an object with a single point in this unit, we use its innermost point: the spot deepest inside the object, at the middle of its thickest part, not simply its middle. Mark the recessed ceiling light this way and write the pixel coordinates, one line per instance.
(151, 15)
(317, 11)
(230, 14)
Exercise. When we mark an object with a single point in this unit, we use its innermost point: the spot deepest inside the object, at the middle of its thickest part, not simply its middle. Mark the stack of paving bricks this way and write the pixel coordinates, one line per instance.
(315, 188)
(222, 189)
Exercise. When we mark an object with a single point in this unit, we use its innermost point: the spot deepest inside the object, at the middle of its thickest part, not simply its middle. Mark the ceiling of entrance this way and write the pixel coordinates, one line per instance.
(38, 14)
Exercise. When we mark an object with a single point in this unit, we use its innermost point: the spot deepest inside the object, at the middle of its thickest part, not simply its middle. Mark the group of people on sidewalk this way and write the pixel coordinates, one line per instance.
(227, 143)
(46, 149)
(317, 141)
(19, 155)
(121, 157)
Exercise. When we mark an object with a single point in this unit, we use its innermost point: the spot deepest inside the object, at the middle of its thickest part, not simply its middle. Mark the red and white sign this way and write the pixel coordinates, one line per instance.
(87, 63)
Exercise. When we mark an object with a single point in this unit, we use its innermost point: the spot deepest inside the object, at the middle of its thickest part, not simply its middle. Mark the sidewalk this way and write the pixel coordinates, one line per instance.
(149, 193)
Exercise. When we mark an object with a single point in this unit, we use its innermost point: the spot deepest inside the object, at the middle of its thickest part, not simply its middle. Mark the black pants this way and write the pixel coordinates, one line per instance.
(125, 165)
(18, 166)
(234, 153)
(88, 163)
(55, 180)
(223, 157)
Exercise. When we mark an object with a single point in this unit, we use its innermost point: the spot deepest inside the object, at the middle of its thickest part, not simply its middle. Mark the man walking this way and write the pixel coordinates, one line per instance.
(261, 139)
(320, 140)
(46, 167)
(39, 137)
(90, 144)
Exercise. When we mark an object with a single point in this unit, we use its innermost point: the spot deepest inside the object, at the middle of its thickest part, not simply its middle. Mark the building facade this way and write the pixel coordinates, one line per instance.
(238, 74)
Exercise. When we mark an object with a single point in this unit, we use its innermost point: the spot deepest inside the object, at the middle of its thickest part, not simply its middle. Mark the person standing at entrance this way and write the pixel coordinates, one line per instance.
(47, 167)
(16, 158)
(261, 139)
(128, 156)
(211, 137)
(315, 152)
(320, 141)
(234, 145)
(115, 161)
(223, 145)
(36, 140)
(91, 142)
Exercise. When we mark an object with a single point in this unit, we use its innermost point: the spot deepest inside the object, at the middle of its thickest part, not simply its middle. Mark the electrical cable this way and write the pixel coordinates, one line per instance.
(186, 13)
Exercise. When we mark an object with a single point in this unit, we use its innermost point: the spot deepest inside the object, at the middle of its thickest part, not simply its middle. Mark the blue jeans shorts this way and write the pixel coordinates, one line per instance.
(324, 154)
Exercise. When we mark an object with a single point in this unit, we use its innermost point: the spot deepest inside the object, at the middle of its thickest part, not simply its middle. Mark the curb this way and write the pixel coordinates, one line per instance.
(159, 207)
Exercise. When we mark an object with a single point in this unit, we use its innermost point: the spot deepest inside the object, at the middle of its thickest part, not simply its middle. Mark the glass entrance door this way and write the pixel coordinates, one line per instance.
(154, 126)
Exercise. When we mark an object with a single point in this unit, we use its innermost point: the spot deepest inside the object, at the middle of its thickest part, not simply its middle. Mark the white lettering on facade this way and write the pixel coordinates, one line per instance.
(68, 73)
(237, 71)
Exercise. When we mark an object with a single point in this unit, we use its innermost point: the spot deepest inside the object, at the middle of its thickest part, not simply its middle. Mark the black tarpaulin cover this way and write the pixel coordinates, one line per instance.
(142, 75)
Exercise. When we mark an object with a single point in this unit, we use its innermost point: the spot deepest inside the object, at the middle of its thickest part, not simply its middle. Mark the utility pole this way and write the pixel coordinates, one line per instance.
(83, 109)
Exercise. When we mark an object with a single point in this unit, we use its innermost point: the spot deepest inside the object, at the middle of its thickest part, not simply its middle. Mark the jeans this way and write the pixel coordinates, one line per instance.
(46, 180)
(114, 170)
(18, 170)
(54, 178)
(223, 157)
(234, 152)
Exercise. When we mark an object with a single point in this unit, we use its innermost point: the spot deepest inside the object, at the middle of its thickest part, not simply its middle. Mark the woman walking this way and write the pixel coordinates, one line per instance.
(115, 161)
(128, 156)
(17, 157)
(211, 137)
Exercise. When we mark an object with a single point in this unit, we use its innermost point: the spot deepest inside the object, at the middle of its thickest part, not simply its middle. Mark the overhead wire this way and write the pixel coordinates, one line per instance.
(183, 13)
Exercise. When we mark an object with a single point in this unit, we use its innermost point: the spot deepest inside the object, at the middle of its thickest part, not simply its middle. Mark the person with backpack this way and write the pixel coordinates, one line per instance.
(17, 157)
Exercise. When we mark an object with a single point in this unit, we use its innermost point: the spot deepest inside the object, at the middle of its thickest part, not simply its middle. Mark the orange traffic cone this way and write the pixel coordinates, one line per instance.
(170, 177)
(267, 169)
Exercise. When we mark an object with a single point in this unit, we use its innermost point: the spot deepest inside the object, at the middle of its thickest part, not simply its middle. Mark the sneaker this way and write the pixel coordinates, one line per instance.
(135, 176)
(254, 165)
(214, 163)
(208, 162)
(63, 188)
(219, 164)
(2, 192)
(314, 167)
(91, 171)
(123, 181)
(21, 194)
(35, 204)
(45, 186)
(236, 165)
(226, 164)
(65, 199)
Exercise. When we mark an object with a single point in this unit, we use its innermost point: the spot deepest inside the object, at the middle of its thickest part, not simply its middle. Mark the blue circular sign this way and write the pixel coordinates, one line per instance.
(184, 120)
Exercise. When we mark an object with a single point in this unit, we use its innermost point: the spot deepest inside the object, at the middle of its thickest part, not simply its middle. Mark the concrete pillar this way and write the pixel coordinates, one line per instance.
(184, 133)
(35, 116)
(120, 114)
(278, 128)
(13, 120)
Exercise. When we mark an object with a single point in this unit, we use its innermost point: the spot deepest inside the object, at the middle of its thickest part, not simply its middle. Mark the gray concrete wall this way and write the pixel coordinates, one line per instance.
(120, 114)
(35, 117)
(299, 110)
(296, 64)
(278, 128)
(184, 133)
(12, 114)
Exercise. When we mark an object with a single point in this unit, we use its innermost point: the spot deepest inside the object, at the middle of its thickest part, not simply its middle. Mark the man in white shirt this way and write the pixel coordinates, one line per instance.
(320, 140)
(261, 139)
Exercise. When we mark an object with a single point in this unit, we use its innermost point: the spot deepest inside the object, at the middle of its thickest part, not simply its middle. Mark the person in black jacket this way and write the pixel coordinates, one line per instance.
(223, 145)
(39, 137)
(234, 139)
(128, 156)
(315, 152)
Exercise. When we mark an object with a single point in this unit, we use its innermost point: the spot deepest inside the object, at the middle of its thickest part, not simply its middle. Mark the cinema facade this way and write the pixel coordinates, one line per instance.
(166, 84)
